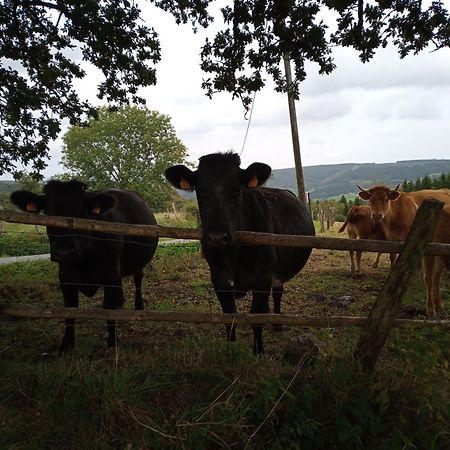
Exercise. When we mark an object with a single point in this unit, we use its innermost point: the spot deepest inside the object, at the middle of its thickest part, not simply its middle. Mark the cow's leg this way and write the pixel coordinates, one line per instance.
(439, 266)
(352, 262)
(260, 305)
(113, 299)
(228, 304)
(70, 293)
(358, 261)
(428, 268)
(137, 277)
(277, 293)
(377, 260)
(393, 258)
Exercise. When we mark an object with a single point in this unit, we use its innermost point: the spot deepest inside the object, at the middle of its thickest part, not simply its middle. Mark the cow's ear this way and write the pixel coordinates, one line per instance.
(256, 174)
(393, 195)
(99, 203)
(181, 177)
(28, 201)
(365, 195)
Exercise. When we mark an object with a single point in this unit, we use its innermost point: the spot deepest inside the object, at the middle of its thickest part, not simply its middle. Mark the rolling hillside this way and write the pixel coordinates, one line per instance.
(337, 179)
(8, 185)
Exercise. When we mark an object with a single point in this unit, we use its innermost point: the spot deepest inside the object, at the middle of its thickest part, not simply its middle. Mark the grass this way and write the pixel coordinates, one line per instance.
(182, 386)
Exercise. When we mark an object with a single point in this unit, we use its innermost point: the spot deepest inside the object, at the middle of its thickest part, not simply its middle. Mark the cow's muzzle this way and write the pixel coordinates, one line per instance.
(377, 216)
(63, 255)
(218, 239)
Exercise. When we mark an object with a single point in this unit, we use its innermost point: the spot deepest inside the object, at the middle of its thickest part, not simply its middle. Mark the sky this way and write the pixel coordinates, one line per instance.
(382, 111)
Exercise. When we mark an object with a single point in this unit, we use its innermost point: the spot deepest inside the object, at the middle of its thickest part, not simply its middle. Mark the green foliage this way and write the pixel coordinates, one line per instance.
(257, 34)
(344, 202)
(4, 201)
(28, 182)
(129, 149)
(427, 182)
(47, 39)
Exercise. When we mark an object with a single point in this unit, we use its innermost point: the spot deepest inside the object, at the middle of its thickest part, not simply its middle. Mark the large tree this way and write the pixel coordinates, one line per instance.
(129, 148)
(42, 44)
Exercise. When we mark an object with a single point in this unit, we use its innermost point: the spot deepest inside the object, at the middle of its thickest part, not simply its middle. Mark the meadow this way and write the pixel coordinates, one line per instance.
(172, 385)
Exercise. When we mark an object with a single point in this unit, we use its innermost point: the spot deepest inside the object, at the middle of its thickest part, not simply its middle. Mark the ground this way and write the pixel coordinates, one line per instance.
(182, 386)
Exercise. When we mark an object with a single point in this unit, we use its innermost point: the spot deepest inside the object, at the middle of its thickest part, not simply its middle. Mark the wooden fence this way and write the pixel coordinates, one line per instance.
(376, 327)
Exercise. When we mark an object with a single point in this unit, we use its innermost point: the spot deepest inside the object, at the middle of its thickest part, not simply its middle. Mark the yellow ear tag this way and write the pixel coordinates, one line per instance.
(32, 207)
(185, 184)
(253, 182)
(95, 210)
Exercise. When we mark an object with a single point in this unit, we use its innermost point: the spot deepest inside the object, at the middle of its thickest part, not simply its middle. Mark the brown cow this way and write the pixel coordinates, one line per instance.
(360, 225)
(396, 210)
(434, 265)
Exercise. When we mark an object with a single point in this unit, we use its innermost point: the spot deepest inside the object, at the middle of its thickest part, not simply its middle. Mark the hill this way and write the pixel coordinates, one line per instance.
(337, 179)
(8, 185)
(333, 180)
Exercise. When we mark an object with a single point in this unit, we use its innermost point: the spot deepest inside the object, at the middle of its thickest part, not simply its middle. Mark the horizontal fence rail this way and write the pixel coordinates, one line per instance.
(204, 317)
(242, 237)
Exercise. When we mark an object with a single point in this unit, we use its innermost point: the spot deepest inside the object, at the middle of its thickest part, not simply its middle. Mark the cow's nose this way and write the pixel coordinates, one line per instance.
(218, 238)
(62, 254)
(377, 216)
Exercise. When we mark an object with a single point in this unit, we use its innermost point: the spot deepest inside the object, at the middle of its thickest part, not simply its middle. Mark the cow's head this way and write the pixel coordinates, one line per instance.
(219, 183)
(68, 199)
(380, 198)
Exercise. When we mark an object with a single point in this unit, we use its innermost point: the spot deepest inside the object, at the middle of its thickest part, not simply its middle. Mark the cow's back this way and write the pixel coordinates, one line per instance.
(130, 208)
(280, 211)
(438, 194)
(405, 208)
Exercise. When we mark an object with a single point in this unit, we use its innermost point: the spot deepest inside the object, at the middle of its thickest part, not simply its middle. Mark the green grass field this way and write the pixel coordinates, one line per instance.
(172, 385)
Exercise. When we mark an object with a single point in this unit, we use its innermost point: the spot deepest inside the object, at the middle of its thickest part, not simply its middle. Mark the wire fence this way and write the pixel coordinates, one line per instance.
(376, 326)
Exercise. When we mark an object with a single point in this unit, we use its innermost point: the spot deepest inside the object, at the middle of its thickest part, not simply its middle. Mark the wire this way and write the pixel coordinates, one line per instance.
(89, 236)
(248, 125)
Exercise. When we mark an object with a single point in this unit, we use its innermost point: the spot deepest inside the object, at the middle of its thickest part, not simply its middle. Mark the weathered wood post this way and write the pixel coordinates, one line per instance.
(322, 220)
(387, 305)
(294, 131)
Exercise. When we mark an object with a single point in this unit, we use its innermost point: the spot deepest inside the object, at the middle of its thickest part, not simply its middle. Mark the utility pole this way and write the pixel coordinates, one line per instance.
(294, 131)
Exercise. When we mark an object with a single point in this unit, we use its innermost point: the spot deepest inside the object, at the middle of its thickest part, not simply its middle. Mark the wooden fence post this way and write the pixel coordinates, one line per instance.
(387, 305)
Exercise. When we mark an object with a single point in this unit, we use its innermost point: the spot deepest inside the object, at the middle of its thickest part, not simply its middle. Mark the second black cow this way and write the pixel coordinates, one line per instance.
(232, 199)
(90, 260)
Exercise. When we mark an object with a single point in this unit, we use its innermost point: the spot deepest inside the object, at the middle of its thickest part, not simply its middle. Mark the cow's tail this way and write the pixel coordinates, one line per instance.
(349, 215)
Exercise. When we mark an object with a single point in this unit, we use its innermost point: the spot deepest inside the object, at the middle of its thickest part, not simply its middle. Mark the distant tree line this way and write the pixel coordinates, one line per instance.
(427, 182)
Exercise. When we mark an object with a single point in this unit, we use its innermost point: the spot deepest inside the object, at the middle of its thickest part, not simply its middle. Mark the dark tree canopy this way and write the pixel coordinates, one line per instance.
(259, 32)
(42, 44)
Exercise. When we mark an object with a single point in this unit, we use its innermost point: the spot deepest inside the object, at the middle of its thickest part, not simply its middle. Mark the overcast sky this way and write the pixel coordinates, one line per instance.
(383, 111)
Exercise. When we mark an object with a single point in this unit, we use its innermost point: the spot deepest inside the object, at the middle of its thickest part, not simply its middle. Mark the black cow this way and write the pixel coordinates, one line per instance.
(90, 260)
(231, 199)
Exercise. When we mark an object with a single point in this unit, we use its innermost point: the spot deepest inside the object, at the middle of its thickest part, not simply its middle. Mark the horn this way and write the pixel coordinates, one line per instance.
(359, 187)
(396, 189)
